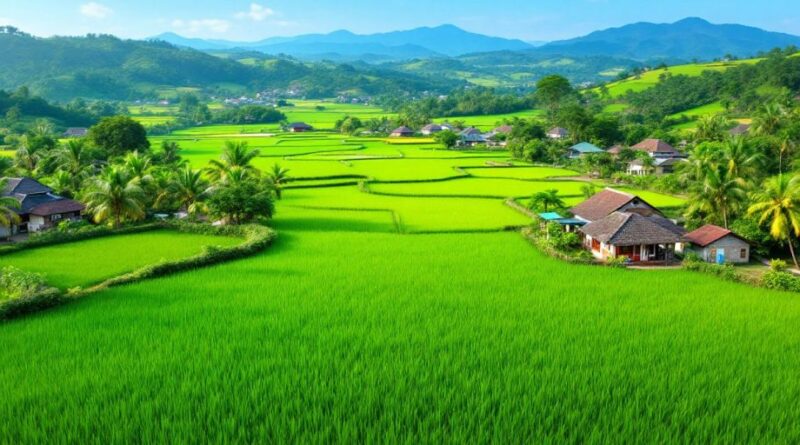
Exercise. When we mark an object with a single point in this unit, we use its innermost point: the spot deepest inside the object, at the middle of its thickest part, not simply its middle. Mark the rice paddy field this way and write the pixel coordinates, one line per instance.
(88, 262)
(400, 310)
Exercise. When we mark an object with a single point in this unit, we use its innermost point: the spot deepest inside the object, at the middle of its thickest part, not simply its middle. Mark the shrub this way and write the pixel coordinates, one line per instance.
(778, 265)
(16, 283)
(617, 262)
(779, 280)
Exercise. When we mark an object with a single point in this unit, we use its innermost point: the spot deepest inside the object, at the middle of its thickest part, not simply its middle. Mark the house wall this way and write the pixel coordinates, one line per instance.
(733, 247)
(36, 223)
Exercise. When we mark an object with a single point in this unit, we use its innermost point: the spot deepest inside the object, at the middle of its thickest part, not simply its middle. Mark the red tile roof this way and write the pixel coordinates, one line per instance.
(708, 234)
(654, 146)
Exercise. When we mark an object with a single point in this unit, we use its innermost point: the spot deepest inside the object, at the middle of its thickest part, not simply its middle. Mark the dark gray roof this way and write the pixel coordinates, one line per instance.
(630, 229)
(24, 186)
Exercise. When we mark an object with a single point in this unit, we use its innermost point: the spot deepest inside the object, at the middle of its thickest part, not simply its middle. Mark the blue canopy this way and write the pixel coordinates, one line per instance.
(552, 216)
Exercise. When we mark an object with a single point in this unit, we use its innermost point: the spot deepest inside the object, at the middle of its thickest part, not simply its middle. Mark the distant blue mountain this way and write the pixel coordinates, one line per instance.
(445, 40)
(691, 38)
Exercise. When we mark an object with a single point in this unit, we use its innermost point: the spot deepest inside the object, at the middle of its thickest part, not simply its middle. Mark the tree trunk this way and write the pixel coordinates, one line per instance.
(794, 257)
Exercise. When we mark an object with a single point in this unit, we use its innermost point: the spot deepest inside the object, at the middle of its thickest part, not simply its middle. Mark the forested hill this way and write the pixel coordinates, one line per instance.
(105, 67)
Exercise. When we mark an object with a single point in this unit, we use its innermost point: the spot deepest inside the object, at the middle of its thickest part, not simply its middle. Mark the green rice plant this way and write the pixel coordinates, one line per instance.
(352, 337)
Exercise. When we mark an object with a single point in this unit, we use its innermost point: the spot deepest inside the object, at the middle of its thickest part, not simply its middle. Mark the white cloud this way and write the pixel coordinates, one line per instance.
(96, 10)
(218, 26)
(256, 13)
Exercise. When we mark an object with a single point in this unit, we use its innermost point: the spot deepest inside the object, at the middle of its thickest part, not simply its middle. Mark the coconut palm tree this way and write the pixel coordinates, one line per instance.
(73, 159)
(8, 216)
(769, 119)
(116, 195)
(170, 152)
(778, 204)
(277, 177)
(711, 128)
(235, 154)
(719, 196)
(742, 159)
(190, 189)
(546, 200)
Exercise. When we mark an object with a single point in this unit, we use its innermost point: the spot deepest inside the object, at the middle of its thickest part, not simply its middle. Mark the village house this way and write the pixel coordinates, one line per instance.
(471, 137)
(714, 244)
(661, 166)
(76, 132)
(431, 129)
(583, 149)
(40, 208)
(657, 148)
(619, 224)
(557, 133)
(299, 127)
(402, 132)
(616, 150)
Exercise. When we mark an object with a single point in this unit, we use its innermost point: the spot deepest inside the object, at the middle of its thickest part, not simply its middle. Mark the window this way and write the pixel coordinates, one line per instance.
(743, 254)
(56, 217)
(712, 255)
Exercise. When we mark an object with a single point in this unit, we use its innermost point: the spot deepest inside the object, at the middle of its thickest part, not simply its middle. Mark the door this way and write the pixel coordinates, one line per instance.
(720, 256)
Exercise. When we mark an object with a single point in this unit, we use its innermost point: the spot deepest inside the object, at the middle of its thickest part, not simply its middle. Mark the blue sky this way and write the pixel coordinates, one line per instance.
(249, 20)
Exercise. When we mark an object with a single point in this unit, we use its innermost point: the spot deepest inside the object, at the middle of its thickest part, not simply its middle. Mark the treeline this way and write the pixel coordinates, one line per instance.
(20, 109)
(742, 88)
(121, 179)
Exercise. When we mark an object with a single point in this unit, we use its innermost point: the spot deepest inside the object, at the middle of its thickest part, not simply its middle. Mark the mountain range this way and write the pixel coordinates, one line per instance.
(441, 41)
(688, 39)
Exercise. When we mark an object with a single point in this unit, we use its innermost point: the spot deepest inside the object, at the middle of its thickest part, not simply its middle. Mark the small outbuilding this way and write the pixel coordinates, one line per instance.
(557, 133)
(299, 127)
(402, 132)
(583, 149)
(76, 132)
(431, 129)
(718, 245)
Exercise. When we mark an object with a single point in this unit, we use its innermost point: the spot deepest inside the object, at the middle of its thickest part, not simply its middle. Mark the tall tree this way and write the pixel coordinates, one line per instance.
(778, 205)
(234, 155)
(277, 178)
(116, 195)
(190, 190)
(546, 200)
(8, 216)
(119, 135)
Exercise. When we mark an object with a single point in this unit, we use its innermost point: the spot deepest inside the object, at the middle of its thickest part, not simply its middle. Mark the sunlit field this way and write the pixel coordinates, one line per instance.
(88, 262)
(397, 305)
(346, 336)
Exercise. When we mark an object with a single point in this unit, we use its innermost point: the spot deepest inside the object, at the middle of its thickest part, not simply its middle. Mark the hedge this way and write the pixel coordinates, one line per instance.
(257, 238)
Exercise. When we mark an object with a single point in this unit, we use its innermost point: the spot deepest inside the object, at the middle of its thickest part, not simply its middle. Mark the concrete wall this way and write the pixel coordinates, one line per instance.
(732, 246)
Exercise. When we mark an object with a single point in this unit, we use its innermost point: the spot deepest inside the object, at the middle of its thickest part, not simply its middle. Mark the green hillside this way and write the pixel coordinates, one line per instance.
(650, 78)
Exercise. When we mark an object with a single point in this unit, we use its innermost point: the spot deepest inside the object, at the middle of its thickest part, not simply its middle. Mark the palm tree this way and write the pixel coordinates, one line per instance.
(743, 161)
(190, 189)
(545, 200)
(720, 195)
(278, 176)
(170, 152)
(711, 128)
(73, 159)
(235, 154)
(769, 119)
(8, 216)
(116, 195)
(778, 203)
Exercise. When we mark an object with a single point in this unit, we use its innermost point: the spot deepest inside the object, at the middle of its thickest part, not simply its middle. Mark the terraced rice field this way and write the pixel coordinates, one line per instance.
(411, 317)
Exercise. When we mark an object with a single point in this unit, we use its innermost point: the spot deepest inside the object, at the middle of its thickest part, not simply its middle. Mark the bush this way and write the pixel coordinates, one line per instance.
(779, 280)
(16, 283)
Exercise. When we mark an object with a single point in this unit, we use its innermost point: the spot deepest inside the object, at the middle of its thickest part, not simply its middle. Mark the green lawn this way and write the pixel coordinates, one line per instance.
(460, 338)
(91, 261)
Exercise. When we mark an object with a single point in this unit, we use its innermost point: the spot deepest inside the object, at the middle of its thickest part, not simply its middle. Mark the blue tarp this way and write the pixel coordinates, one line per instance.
(550, 216)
